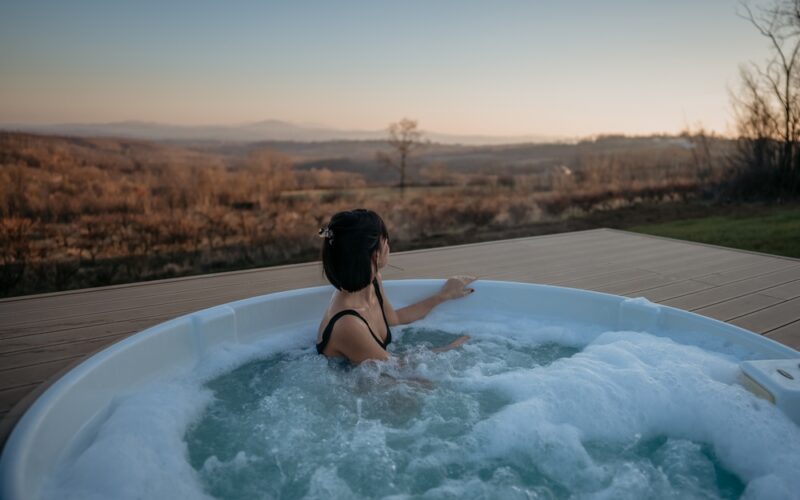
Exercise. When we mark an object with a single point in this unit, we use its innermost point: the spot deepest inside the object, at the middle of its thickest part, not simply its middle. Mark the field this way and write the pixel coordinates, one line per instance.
(81, 212)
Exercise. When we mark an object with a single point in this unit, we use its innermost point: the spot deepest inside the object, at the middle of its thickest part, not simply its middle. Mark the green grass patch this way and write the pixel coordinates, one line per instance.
(776, 231)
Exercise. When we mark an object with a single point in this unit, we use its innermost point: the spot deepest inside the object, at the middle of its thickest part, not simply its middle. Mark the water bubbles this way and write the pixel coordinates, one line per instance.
(509, 417)
(522, 410)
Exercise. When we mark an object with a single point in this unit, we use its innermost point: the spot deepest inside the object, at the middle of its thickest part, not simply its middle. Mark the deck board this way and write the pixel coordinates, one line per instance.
(786, 334)
(740, 306)
(43, 336)
(663, 293)
(757, 269)
(770, 318)
(9, 397)
(786, 291)
(636, 284)
(734, 290)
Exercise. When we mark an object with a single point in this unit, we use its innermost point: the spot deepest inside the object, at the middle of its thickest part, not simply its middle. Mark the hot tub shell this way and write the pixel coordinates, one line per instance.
(63, 418)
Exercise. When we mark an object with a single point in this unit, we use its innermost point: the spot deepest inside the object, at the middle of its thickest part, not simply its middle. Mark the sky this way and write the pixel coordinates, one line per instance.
(567, 68)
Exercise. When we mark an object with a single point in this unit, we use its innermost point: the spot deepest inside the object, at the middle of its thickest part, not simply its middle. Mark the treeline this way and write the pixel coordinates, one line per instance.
(767, 107)
(89, 212)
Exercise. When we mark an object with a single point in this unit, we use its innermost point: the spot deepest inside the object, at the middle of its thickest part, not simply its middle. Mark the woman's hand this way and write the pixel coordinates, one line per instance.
(456, 287)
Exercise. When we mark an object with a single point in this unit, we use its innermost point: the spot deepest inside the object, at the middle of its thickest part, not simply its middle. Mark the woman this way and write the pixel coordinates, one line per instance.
(356, 324)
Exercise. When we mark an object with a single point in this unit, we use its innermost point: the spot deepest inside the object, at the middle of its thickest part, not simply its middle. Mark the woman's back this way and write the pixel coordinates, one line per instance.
(366, 317)
(355, 249)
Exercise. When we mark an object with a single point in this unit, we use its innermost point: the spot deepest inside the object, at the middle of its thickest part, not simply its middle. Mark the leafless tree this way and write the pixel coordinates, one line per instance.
(404, 137)
(768, 107)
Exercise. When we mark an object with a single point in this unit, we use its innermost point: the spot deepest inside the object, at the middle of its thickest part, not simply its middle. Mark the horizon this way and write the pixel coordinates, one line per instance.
(516, 69)
(51, 130)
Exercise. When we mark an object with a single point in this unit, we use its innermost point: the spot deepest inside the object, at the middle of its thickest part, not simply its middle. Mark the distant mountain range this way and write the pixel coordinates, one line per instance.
(268, 130)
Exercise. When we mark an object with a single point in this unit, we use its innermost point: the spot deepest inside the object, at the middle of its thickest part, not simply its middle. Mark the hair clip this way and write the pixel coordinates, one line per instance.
(326, 233)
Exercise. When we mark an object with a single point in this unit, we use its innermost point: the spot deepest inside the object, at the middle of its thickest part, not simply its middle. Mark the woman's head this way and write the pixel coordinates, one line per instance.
(353, 248)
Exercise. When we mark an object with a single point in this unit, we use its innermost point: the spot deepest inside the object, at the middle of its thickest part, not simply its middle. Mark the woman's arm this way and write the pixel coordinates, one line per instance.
(454, 288)
(452, 345)
(418, 310)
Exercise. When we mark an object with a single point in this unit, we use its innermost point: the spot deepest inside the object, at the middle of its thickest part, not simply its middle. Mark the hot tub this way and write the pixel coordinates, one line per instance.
(65, 419)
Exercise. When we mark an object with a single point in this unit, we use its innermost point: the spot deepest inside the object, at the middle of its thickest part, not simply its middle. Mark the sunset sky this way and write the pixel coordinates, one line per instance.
(550, 68)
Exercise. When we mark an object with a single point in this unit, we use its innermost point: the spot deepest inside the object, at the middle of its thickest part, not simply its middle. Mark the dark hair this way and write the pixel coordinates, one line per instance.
(351, 238)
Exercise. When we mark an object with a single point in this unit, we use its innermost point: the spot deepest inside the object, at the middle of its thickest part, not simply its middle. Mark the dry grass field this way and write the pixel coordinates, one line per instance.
(82, 212)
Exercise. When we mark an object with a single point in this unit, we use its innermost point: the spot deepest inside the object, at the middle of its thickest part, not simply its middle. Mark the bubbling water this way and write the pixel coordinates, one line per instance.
(524, 409)
(284, 426)
(502, 417)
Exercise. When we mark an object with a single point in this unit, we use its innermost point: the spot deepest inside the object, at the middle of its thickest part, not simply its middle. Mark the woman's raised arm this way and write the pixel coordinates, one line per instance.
(454, 288)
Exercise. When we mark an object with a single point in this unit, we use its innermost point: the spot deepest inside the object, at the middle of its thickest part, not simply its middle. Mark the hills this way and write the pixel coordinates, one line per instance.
(267, 130)
(352, 156)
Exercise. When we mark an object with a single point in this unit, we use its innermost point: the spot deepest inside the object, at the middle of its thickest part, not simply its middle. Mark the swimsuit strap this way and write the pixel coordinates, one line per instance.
(326, 335)
(380, 301)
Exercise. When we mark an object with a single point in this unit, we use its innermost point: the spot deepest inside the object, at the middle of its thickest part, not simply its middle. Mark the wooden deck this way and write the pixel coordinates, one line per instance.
(43, 336)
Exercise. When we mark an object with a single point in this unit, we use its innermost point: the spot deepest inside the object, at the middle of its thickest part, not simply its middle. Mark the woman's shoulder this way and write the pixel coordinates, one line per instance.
(341, 322)
(347, 317)
(350, 328)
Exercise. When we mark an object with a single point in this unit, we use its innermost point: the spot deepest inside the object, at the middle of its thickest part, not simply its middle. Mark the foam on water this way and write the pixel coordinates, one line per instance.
(525, 409)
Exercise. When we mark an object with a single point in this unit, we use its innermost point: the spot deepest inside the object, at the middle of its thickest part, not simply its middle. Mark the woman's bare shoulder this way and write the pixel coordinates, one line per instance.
(346, 318)
(352, 338)
(349, 322)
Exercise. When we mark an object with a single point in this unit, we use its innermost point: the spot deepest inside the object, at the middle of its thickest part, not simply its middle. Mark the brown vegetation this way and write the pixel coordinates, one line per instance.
(88, 212)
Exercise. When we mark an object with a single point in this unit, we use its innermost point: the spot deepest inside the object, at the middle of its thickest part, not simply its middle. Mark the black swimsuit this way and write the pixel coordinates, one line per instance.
(326, 335)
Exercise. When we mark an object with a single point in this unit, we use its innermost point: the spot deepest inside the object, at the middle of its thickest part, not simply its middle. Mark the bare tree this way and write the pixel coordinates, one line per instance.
(404, 137)
(768, 111)
(758, 148)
